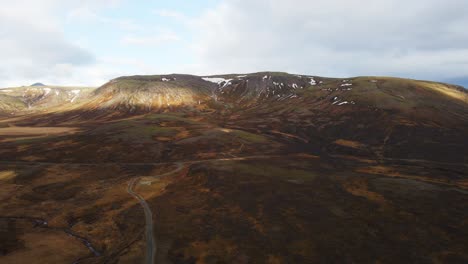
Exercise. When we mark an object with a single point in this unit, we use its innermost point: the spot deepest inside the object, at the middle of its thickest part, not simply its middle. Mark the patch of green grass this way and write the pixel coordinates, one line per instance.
(132, 130)
(250, 136)
(36, 140)
(171, 117)
(269, 170)
(145, 133)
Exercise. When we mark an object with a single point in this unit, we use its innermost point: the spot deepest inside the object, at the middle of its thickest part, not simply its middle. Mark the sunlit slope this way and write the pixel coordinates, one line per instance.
(149, 93)
(235, 91)
(42, 98)
(10, 104)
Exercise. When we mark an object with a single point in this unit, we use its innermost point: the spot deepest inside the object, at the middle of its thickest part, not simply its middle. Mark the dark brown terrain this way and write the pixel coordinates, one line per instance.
(258, 168)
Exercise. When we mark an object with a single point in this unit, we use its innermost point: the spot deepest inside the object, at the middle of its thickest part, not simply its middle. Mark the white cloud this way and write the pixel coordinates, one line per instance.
(171, 14)
(151, 40)
(86, 14)
(34, 48)
(420, 38)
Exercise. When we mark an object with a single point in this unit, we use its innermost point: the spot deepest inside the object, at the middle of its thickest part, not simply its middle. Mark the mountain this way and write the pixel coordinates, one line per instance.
(148, 93)
(38, 84)
(391, 117)
(41, 98)
(265, 167)
(153, 93)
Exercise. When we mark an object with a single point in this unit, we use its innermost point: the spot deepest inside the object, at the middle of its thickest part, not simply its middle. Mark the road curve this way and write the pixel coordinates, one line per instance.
(149, 234)
(150, 243)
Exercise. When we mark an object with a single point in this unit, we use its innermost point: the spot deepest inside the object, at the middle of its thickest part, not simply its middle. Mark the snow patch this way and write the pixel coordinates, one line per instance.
(76, 94)
(312, 82)
(227, 82)
(165, 80)
(346, 84)
(47, 91)
(214, 80)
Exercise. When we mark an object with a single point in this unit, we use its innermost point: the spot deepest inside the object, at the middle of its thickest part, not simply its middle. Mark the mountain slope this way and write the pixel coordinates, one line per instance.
(153, 93)
(258, 168)
(149, 93)
(43, 98)
(376, 117)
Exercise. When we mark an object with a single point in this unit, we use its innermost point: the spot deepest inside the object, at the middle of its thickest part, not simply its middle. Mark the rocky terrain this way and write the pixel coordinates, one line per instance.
(241, 168)
(40, 98)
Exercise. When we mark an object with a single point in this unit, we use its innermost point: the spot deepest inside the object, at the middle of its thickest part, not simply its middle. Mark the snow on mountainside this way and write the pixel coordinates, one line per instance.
(43, 97)
(158, 92)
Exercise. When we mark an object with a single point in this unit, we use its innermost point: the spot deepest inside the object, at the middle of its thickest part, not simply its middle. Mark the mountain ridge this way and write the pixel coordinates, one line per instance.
(332, 167)
(149, 93)
(374, 111)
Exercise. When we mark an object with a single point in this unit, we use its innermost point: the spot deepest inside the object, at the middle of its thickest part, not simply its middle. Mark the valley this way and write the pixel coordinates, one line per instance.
(257, 168)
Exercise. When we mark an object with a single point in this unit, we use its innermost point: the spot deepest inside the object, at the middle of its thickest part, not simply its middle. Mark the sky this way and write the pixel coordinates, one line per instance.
(88, 42)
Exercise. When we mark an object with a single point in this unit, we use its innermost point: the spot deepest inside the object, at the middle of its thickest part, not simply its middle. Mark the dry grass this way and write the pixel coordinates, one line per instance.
(359, 187)
(36, 131)
(7, 175)
(443, 89)
(349, 143)
(203, 249)
(391, 172)
(47, 247)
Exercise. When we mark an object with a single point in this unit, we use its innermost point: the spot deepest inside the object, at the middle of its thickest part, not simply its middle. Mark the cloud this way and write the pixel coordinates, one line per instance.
(171, 14)
(86, 14)
(35, 48)
(423, 39)
(420, 38)
(103, 70)
(161, 37)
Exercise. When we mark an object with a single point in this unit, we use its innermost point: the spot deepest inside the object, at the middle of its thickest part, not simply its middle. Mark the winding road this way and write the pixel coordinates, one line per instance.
(149, 234)
(151, 247)
(150, 243)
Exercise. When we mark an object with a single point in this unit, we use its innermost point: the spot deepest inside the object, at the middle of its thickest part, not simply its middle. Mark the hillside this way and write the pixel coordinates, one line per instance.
(240, 168)
(153, 93)
(385, 117)
(42, 98)
(149, 93)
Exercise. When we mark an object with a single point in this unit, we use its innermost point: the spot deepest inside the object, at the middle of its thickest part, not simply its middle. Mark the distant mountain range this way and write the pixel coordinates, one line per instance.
(38, 84)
